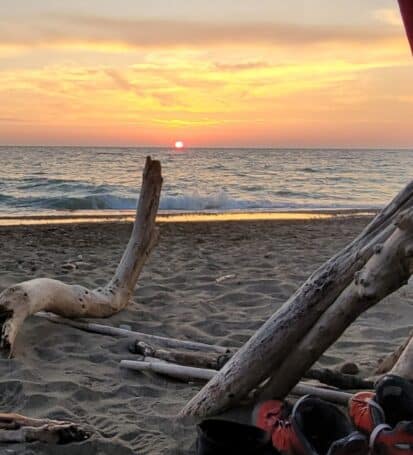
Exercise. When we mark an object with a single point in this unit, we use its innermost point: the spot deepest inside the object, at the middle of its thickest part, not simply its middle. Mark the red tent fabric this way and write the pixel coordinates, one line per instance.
(406, 7)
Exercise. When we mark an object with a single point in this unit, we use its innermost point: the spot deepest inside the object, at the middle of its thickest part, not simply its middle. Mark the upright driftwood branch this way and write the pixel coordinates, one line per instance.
(265, 352)
(74, 301)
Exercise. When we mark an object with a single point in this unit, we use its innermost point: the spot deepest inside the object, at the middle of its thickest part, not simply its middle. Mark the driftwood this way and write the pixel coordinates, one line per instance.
(386, 271)
(200, 359)
(304, 317)
(390, 361)
(74, 301)
(181, 372)
(18, 428)
(339, 380)
(404, 365)
(216, 361)
(137, 336)
(197, 354)
(202, 374)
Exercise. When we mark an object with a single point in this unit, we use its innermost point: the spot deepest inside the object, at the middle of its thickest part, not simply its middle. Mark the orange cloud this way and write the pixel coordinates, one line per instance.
(209, 84)
(77, 30)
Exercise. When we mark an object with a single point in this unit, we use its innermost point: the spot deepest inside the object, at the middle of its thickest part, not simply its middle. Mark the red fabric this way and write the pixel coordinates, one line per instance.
(406, 7)
(398, 441)
(361, 412)
(273, 416)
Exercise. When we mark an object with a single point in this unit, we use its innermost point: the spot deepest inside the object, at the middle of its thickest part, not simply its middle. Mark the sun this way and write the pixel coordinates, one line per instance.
(179, 145)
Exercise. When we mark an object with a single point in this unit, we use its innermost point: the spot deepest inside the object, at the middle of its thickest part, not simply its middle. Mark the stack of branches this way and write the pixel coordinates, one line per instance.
(377, 263)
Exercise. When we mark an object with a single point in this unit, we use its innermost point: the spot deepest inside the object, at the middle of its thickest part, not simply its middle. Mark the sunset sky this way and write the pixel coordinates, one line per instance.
(210, 73)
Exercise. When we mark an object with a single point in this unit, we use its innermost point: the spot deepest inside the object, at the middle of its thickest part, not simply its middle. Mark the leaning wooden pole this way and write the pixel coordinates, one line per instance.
(404, 365)
(265, 352)
(389, 362)
(386, 271)
(74, 301)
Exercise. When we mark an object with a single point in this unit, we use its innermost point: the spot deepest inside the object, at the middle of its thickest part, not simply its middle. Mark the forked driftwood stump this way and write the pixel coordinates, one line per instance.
(374, 265)
(75, 301)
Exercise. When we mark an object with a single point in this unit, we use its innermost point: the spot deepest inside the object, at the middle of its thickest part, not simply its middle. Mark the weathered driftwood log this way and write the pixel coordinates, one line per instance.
(386, 271)
(216, 361)
(276, 341)
(337, 379)
(390, 361)
(404, 365)
(184, 373)
(199, 359)
(18, 428)
(200, 354)
(203, 374)
(74, 301)
(137, 336)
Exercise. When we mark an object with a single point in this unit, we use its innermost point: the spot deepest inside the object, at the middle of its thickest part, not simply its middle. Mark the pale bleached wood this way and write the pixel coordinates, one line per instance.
(265, 352)
(18, 428)
(74, 301)
(181, 372)
(209, 360)
(137, 336)
(404, 365)
(390, 360)
(203, 374)
(221, 353)
(334, 396)
(337, 379)
(214, 361)
(386, 271)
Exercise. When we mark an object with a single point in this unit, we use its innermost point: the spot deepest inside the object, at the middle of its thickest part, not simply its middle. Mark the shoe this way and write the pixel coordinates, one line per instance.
(273, 417)
(385, 440)
(386, 415)
(391, 403)
(365, 413)
(223, 437)
(395, 395)
(313, 427)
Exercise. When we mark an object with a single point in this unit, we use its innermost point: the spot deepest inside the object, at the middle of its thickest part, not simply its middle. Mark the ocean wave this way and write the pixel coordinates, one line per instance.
(219, 202)
(109, 201)
(62, 185)
(198, 202)
(91, 202)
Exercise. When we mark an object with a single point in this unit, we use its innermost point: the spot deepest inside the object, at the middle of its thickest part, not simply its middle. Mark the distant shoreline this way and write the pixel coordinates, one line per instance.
(127, 216)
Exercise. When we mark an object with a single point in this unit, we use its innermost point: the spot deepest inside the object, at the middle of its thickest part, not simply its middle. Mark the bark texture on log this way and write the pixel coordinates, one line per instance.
(74, 301)
(386, 271)
(188, 374)
(404, 365)
(265, 352)
(18, 428)
(337, 379)
(184, 373)
(198, 359)
(390, 361)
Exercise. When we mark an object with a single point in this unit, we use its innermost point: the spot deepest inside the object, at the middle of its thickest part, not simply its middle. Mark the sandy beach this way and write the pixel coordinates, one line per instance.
(60, 372)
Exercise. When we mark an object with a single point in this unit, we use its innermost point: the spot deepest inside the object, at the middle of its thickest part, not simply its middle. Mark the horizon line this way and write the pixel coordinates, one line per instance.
(229, 147)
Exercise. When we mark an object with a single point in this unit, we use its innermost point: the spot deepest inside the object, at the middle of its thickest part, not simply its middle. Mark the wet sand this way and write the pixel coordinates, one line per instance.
(61, 372)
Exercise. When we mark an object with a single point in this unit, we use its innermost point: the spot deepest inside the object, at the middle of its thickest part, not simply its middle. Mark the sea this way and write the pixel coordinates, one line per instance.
(48, 181)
